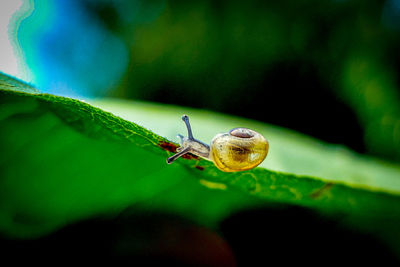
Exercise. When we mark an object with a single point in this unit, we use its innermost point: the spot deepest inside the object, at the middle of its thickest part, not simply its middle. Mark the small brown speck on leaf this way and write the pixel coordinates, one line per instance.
(201, 168)
(190, 156)
(168, 146)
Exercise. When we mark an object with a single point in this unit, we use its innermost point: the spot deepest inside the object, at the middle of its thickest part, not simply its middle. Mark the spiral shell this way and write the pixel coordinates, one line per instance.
(238, 150)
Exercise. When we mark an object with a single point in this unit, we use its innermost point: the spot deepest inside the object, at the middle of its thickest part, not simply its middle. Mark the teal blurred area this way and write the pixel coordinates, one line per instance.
(329, 69)
(67, 50)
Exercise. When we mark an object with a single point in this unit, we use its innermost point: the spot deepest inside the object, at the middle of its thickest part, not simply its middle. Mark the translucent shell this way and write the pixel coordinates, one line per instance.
(238, 150)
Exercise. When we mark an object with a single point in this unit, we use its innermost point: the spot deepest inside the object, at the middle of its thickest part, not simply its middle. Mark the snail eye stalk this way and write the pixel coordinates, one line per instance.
(183, 149)
(185, 118)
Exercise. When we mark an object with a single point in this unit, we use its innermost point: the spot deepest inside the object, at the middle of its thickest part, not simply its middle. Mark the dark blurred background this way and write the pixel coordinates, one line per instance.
(279, 236)
(328, 69)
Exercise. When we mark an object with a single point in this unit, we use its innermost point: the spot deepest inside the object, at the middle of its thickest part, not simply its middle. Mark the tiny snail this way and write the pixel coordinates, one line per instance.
(238, 150)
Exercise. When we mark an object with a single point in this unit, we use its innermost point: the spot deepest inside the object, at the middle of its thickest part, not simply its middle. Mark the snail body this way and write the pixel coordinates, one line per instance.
(238, 150)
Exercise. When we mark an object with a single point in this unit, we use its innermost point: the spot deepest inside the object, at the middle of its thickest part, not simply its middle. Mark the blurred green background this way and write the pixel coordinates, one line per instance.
(324, 68)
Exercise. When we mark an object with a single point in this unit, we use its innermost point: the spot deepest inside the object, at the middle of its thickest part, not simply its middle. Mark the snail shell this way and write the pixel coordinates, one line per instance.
(238, 150)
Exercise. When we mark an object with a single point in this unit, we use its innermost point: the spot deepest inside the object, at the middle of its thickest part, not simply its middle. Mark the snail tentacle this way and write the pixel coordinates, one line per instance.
(177, 155)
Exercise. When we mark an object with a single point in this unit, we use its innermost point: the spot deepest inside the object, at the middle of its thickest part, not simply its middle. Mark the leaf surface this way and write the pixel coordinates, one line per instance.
(64, 160)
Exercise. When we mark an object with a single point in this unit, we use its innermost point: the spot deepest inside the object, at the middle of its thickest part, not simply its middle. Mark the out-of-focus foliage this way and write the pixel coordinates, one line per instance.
(333, 64)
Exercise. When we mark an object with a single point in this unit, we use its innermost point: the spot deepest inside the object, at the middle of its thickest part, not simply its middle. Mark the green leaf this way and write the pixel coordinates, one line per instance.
(64, 160)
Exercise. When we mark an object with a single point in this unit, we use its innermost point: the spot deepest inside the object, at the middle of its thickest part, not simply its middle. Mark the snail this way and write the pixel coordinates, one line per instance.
(238, 150)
